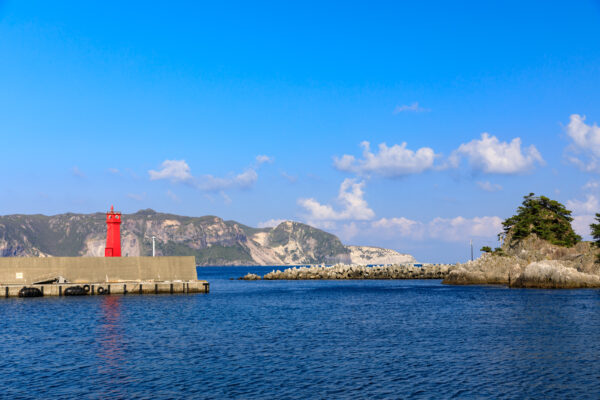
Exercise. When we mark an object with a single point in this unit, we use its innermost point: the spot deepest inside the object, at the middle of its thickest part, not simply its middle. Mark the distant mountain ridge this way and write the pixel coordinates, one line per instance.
(210, 239)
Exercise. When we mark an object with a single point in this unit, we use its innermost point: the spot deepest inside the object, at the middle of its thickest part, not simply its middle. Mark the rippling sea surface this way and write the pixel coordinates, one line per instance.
(305, 339)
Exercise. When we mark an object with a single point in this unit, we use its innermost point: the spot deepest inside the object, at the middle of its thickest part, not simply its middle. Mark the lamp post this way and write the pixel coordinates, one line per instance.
(153, 246)
(471, 249)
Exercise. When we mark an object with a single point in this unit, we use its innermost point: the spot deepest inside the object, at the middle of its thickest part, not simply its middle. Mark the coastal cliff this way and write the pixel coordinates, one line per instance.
(210, 239)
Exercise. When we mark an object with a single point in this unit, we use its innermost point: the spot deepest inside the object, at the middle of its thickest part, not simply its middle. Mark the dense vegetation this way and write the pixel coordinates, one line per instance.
(546, 218)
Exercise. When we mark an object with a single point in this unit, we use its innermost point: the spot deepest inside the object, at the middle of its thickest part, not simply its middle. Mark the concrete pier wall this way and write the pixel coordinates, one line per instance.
(95, 289)
(27, 270)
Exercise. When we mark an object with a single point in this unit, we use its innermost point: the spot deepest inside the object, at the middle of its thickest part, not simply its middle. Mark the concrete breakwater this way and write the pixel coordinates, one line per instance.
(79, 276)
(345, 271)
(31, 270)
(104, 288)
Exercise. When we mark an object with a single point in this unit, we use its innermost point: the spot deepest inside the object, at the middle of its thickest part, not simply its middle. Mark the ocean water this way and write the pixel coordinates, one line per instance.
(305, 339)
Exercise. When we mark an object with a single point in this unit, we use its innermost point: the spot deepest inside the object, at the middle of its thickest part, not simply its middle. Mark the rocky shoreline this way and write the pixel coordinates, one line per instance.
(532, 263)
(346, 271)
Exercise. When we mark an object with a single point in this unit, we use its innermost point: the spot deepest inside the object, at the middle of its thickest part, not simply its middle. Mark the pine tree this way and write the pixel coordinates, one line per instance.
(547, 218)
(596, 230)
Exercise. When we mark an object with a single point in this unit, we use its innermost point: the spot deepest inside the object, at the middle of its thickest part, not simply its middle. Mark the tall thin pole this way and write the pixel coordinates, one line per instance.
(153, 246)
(471, 249)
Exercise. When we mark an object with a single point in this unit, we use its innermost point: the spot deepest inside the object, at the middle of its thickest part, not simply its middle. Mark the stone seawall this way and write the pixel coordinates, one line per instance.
(344, 271)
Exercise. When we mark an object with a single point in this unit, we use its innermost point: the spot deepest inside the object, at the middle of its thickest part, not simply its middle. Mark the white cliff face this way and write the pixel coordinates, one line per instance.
(94, 246)
(376, 255)
(262, 255)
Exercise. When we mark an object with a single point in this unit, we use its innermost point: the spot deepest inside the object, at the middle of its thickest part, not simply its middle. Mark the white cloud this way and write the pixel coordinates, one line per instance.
(589, 206)
(261, 159)
(460, 228)
(414, 107)
(404, 226)
(446, 229)
(394, 161)
(489, 155)
(173, 170)
(489, 187)
(114, 171)
(585, 140)
(584, 212)
(270, 223)
(350, 197)
(581, 225)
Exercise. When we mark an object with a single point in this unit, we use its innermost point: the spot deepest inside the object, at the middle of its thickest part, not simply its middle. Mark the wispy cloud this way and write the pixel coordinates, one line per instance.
(76, 172)
(445, 229)
(172, 196)
(136, 196)
(489, 187)
(288, 177)
(178, 171)
(414, 107)
(591, 185)
(243, 180)
(261, 159)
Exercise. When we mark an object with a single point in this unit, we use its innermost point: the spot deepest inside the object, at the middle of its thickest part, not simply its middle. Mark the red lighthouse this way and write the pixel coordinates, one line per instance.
(113, 234)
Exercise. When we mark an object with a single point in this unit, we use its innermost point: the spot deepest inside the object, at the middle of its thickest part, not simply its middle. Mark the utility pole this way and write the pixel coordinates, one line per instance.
(154, 247)
(471, 249)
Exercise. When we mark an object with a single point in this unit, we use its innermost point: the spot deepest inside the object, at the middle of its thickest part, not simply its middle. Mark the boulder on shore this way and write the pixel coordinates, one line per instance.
(552, 274)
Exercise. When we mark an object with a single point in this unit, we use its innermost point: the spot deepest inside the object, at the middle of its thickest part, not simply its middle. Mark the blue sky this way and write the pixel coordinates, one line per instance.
(259, 112)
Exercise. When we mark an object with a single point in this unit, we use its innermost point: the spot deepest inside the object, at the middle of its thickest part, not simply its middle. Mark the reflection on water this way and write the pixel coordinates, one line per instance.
(111, 354)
